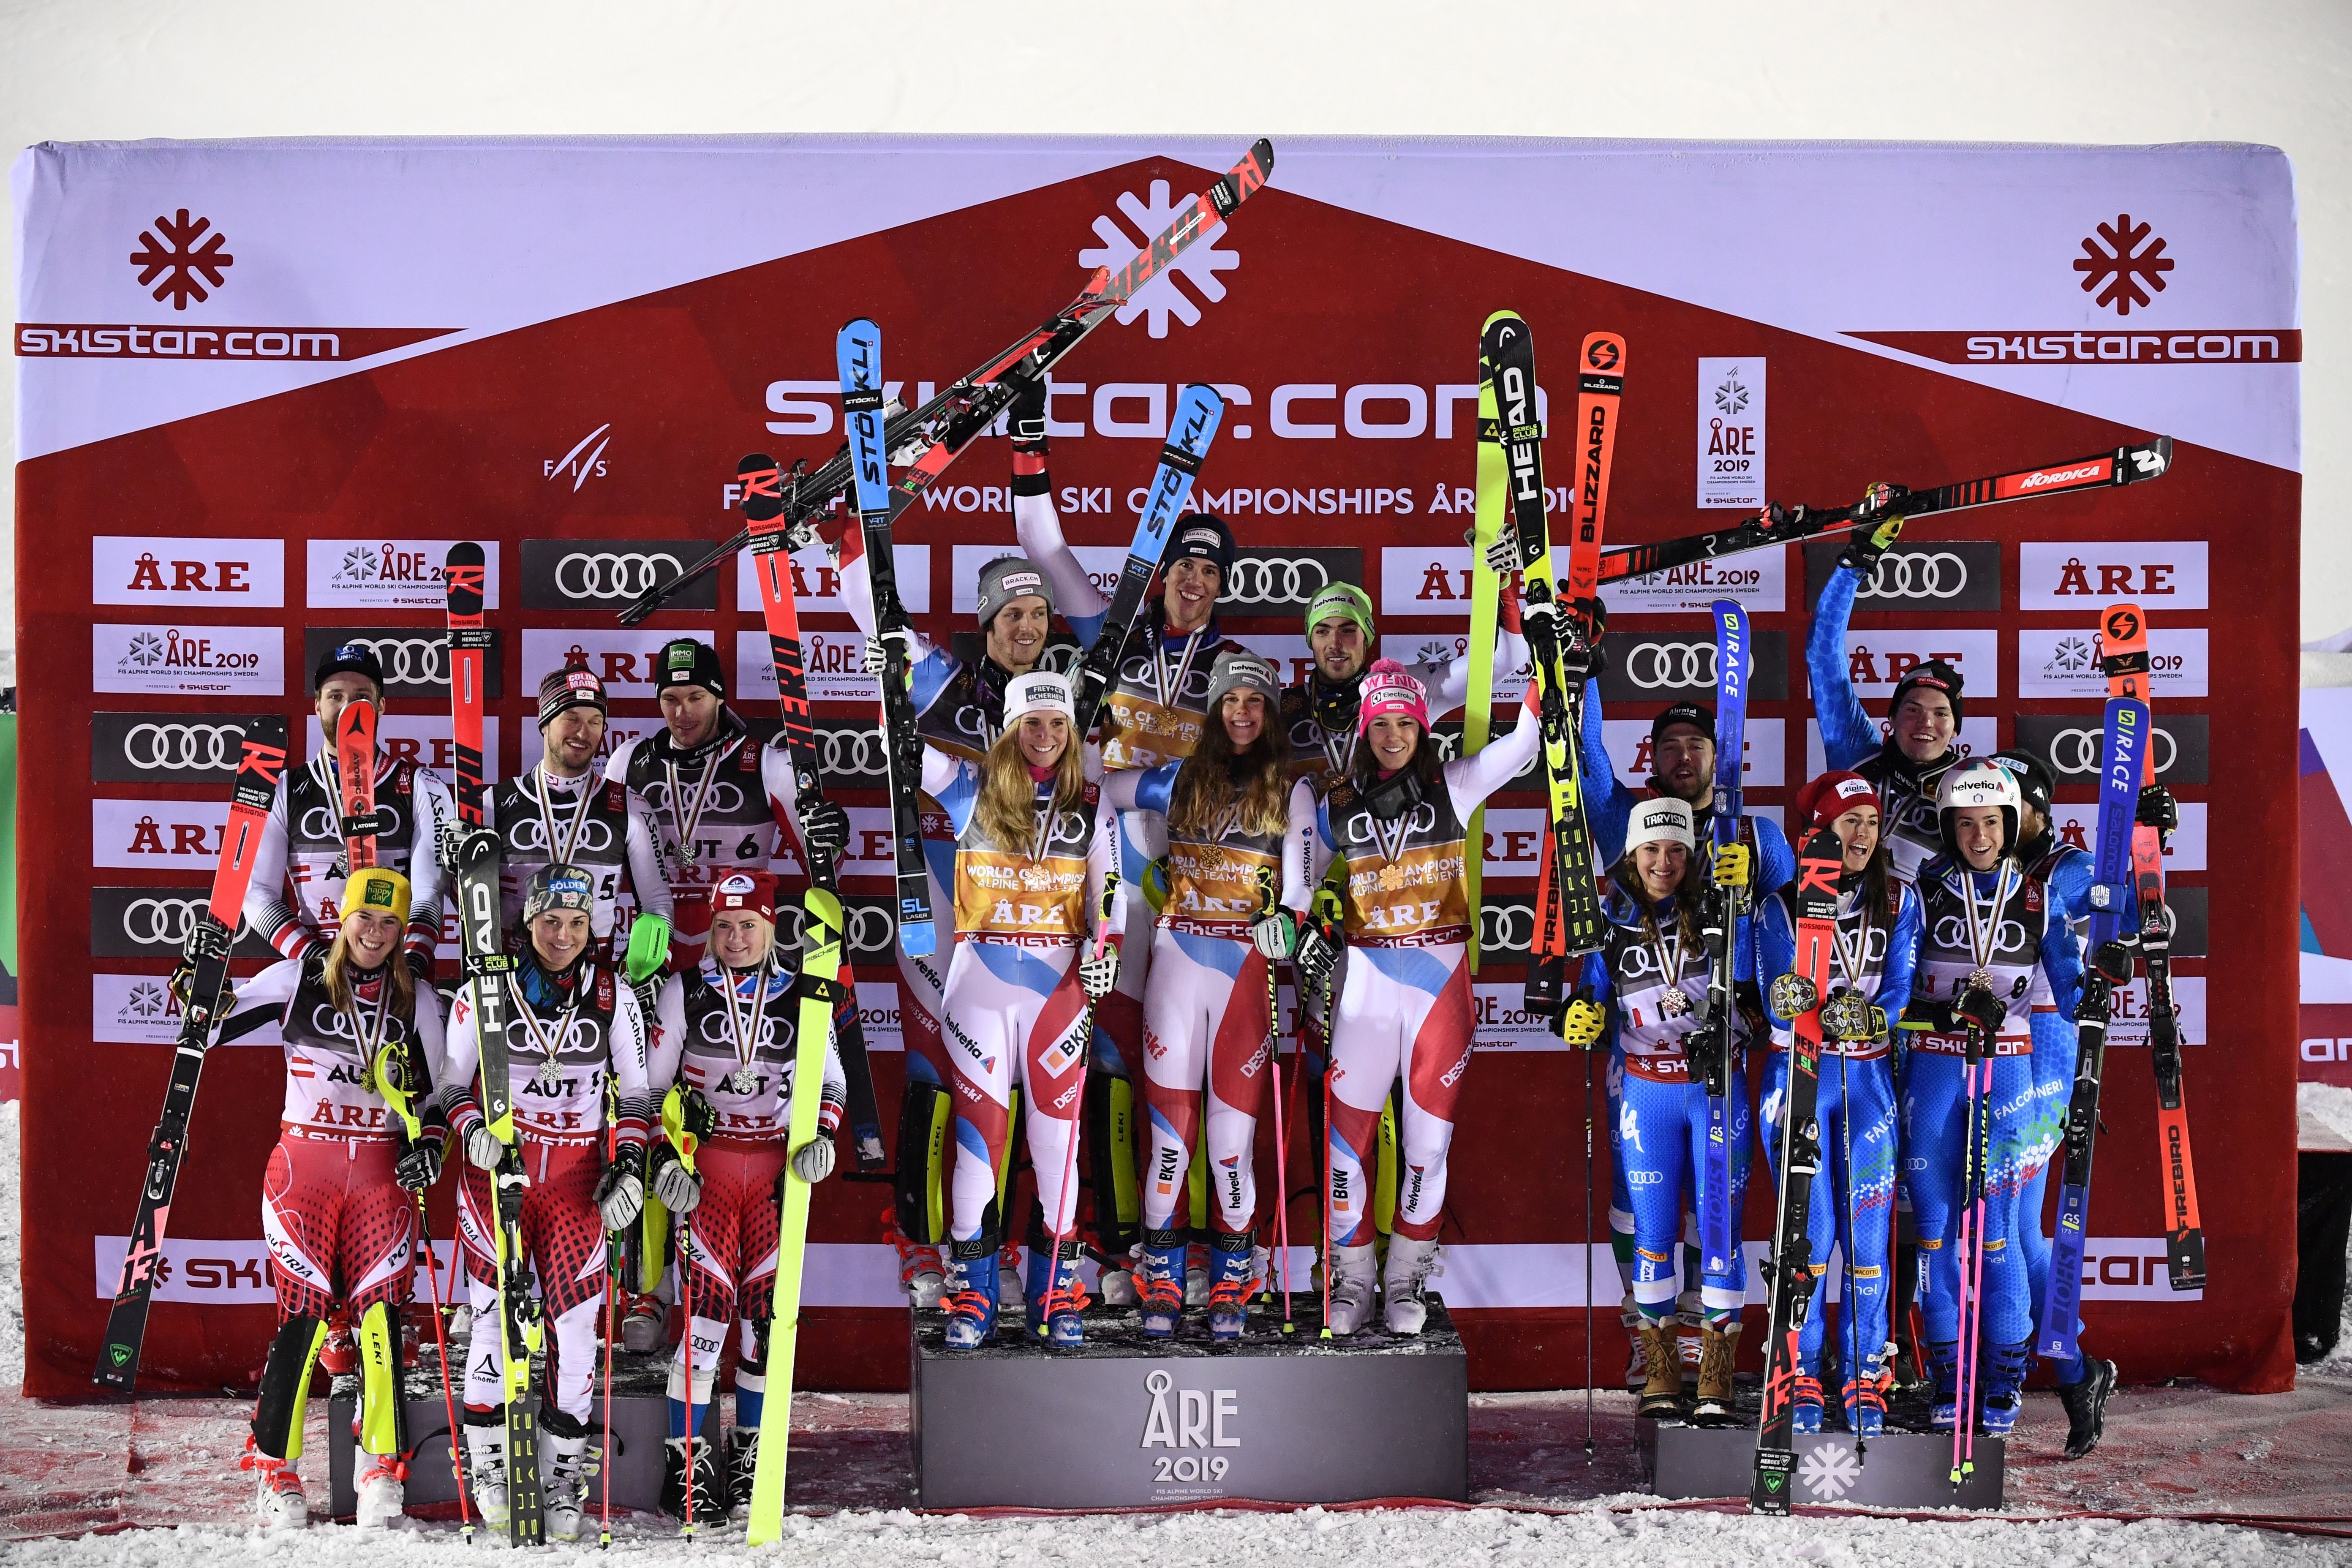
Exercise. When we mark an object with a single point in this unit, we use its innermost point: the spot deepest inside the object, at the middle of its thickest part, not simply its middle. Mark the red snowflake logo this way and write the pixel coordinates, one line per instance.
(178, 258)
(2123, 265)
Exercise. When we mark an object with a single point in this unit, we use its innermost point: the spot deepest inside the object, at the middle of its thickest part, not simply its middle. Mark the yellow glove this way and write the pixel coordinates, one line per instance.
(1731, 866)
(1582, 1024)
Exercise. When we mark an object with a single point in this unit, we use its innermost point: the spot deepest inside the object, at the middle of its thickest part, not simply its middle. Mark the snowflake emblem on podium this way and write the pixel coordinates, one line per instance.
(1830, 1471)
(2124, 264)
(1200, 262)
(177, 258)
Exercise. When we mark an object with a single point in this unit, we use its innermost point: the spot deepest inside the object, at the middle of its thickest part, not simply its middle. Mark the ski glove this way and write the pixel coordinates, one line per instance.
(824, 830)
(206, 937)
(1581, 1023)
(2158, 810)
(1317, 956)
(1275, 934)
(877, 654)
(1026, 422)
(1097, 975)
(678, 1188)
(1979, 1007)
(812, 1161)
(420, 1166)
(482, 1148)
(1865, 546)
(1792, 996)
(620, 1191)
(1503, 555)
(1846, 1017)
(420, 964)
(1732, 869)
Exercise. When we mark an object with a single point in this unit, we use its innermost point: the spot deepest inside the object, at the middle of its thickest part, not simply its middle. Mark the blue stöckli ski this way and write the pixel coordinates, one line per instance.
(2107, 966)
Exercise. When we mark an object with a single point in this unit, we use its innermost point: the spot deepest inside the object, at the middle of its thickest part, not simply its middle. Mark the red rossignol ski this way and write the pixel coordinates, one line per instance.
(356, 782)
(257, 772)
(924, 440)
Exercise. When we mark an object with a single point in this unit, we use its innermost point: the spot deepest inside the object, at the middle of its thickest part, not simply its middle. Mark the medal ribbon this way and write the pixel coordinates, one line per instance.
(548, 1044)
(562, 856)
(1985, 935)
(687, 823)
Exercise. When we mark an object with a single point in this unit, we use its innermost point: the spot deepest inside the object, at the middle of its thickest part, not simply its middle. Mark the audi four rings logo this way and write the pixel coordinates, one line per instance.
(160, 921)
(1273, 580)
(868, 925)
(853, 754)
(724, 803)
(2075, 753)
(529, 833)
(1921, 575)
(411, 661)
(1670, 666)
(1506, 925)
(1952, 936)
(152, 747)
(607, 574)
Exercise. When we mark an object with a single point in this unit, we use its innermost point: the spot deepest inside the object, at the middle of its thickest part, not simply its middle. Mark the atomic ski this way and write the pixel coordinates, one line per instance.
(355, 782)
(1791, 1271)
(2123, 646)
(2108, 966)
(258, 771)
(1781, 525)
(1506, 397)
(1601, 382)
(487, 966)
(1190, 432)
(859, 351)
(821, 953)
(1719, 1236)
(763, 503)
(924, 440)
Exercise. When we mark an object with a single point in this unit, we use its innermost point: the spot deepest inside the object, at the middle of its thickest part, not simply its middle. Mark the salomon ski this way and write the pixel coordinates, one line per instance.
(859, 351)
(821, 953)
(258, 770)
(924, 440)
(2107, 968)
(1791, 1271)
(475, 874)
(1507, 395)
(1726, 908)
(1782, 525)
(2123, 648)
(1190, 432)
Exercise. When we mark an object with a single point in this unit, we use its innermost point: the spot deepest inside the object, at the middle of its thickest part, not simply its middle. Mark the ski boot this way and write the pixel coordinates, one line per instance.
(742, 1466)
(383, 1491)
(486, 1463)
(1159, 1262)
(1411, 1263)
(920, 1273)
(972, 1305)
(1354, 1277)
(645, 1323)
(338, 1357)
(709, 1497)
(1865, 1398)
(2086, 1406)
(566, 1497)
(1805, 1403)
(2004, 1383)
(1662, 1372)
(1716, 1351)
(1116, 1285)
(279, 1500)
(1690, 1312)
(1944, 1374)
(1230, 1276)
(1056, 1299)
(1637, 1365)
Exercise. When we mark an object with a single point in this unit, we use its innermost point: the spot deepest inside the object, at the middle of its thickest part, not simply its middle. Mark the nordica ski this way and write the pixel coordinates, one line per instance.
(1797, 996)
(1782, 525)
(1492, 506)
(356, 782)
(924, 440)
(2109, 966)
(1718, 1228)
(1193, 426)
(764, 504)
(1507, 395)
(2122, 641)
(1601, 382)
(258, 770)
(821, 953)
(487, 966)
(859, 351)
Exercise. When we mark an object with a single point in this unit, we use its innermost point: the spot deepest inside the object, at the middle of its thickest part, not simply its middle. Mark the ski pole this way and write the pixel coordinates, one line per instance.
(1281, 1143)
(613, 1260)
(1852, 1324)
(1067, 1199)
(693, 1415)
(1976, 1265)
(1587, 1254)
(448, 1395)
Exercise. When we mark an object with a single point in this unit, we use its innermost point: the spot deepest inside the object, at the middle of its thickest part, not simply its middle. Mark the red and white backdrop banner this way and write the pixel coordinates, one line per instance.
(262, 386)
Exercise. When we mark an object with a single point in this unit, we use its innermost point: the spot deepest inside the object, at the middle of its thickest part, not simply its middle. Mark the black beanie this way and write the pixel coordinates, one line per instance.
(688, 661)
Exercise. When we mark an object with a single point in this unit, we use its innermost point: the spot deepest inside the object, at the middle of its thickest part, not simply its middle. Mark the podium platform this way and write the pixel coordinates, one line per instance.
(1906, 1466)
(640, 1423)
(1125, 1421)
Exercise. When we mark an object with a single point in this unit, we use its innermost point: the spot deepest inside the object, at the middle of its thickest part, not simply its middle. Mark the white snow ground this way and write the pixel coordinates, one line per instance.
(69, 1456)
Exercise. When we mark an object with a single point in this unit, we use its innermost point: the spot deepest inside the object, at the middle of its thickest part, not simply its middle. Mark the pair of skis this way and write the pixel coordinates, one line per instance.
(924, 440)
(1556, 618)
(2129, 862)
(1790, 1272)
